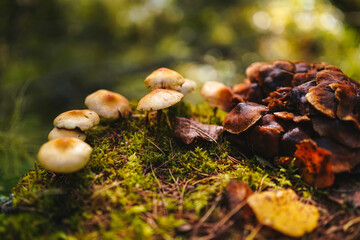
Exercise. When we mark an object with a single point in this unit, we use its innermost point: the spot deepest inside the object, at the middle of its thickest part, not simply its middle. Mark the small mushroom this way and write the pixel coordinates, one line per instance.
(83, 119)
(243, 116)
(159, 99)
(62, 132)
(216, 94)
(64, 155)
(187, 87)
(164, 78)
(108, 104)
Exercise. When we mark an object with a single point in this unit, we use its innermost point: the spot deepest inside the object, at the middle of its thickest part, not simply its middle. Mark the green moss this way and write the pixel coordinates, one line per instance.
(140, 183)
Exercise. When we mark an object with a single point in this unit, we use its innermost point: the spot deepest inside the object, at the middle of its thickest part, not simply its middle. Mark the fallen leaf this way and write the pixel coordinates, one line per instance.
(237, 192)
(314, 164)
(282, 211)
(187, 130)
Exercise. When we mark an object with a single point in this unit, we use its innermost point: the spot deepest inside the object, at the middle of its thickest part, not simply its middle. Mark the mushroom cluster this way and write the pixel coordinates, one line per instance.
(168, 88)
(66, 151)
(307, 111)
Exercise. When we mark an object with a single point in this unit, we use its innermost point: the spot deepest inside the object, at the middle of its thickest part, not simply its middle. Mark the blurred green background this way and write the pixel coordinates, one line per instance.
(55, 52)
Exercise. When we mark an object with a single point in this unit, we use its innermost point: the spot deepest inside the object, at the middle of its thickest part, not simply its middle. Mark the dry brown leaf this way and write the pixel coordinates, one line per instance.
(314, 164)
(237, 192)
(282, 211)
(187, 130)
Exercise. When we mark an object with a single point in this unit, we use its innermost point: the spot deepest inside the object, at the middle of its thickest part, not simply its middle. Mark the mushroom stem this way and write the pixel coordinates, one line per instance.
(158, 116)
(147, 123)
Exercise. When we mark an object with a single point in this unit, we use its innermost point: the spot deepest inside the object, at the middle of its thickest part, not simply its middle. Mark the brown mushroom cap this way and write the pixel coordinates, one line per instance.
(217, 95)
(243, 116)
(62, 132)
(64, 155)
(264, 141)
(302, 67)
(342, 132)
(108, 104)
(83, 119)
(159, 99)
(290, 139)
(164, 78)
(322, 98)
(342, 158)
(348, 98)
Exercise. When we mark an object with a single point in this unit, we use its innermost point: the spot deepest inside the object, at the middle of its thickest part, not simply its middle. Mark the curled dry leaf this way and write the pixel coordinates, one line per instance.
(314, 164)
(282, 211)
(187, 130)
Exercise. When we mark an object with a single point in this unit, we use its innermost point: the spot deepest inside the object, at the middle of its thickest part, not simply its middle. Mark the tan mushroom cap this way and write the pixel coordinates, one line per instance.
(187, 87)
(159, 99)
(83, 119)
(164, 78)
(64, 155)
(216, 94)
(108, 104)
(62, 132)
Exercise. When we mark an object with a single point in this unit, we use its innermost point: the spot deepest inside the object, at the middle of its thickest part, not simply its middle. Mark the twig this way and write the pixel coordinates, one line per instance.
(155, 145)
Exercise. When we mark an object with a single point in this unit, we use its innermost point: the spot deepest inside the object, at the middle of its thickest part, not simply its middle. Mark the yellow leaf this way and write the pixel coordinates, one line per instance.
(282, 211)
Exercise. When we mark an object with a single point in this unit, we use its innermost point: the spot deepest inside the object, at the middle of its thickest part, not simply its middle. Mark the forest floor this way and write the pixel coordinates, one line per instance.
(141, 182)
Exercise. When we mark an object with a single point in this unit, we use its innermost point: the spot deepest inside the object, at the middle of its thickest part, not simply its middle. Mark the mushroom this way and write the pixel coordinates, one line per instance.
(108, 105)
(342, 158)
(265, 138)
(248, 91)
(187, 87)
(347, 96)
(217, 95)
(62, 132)
(290, 139)
(322, 99)
(64, 155)
(83, 119)
(164, 78)
(243, 116)
(159, 99)
(342, 132)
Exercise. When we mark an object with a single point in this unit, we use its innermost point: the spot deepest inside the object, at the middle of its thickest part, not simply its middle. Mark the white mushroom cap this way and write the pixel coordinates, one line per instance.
(187, 87)
(83, 119)
(108, 104)
(159, 99)
(62, 132)
(64, 155)
(164, 78)
(217, 95)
